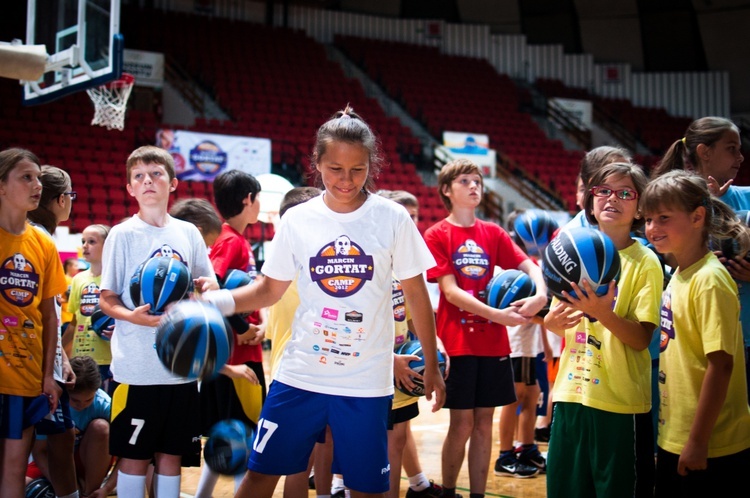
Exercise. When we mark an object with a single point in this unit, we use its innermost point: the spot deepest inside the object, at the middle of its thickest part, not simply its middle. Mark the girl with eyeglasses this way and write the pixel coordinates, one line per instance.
(54, 455)
(602, 438)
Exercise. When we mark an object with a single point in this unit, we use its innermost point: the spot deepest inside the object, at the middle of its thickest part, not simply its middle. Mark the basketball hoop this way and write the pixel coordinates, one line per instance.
(110, 101)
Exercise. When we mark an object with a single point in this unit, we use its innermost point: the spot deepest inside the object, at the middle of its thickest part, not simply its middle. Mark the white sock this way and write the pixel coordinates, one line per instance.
(419, 482)
(130, 485)
(74, 494)
(165, 486)
(337, 484)
(207, 483)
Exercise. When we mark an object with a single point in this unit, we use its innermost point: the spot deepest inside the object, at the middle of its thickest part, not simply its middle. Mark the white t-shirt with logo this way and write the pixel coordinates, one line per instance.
(343, 330)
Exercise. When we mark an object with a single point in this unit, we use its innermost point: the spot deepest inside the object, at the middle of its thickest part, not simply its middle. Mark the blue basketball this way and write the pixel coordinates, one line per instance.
(236, 278)
(100, 322)
(578, 254)
(192, 340)
(228, 447)
(415, 347)
(509, 286)
(160, 281)
(535, 229)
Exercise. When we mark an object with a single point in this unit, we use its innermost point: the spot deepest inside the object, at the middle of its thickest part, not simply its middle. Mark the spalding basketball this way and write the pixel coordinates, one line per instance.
(415, 347)
(535, 229)
(160, 281)
(192, 340)
(39, 488)
(578, 254)
(236, 278)
(100, 322)
(509, 286)
(228, 447)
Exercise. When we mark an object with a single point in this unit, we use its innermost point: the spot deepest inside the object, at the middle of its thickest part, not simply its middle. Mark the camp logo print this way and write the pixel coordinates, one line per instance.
(89, 299)
(341, 268)
(167, 251)
(399, 302)
(471, 260)
(19, 281)
(667, 320)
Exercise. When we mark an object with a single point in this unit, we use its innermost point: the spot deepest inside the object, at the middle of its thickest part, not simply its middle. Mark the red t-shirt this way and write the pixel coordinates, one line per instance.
(470, 254)
(232, 251)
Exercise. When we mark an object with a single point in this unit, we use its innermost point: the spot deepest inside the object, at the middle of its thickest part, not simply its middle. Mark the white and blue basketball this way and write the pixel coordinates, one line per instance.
(535, 228)
(578, 254)
(228, 447)
(192, 340)
(160, 281)
(509, 286)
(415, 347)
(100, 322)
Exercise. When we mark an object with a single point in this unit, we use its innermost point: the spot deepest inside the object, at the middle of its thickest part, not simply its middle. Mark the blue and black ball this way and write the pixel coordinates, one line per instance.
(509, 286)
(729, 247)
(235, 279)
(192, 340)
(535, 229)
(100, 322)
(160, 281)
(415, 348)
(578, 254)
(228, 447)
(39, 488)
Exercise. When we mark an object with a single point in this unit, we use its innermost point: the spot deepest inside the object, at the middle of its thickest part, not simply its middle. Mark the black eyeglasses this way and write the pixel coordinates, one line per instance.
(626, 194)
(73, 194)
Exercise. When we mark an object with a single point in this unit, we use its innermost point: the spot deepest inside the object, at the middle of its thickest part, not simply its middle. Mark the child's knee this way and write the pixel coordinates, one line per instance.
(98, 427)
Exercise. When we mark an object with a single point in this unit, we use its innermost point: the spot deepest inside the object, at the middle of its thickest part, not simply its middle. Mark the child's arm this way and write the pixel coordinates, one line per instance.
(240, 372)
(262, 293)
(418, 300)
(112, 305)
(49, 344)
(465, 301)
(637, 335)
(530, 306)
(713, 393)
(561, 317)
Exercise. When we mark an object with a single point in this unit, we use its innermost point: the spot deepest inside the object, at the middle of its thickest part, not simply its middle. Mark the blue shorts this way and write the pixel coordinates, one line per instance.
(18, 413)
(58, 421)
(286, 437)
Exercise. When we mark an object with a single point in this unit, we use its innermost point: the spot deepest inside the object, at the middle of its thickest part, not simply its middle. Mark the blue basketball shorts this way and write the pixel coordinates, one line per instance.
(58, 421)
(292, 421)
(154, 419)
(18, 413)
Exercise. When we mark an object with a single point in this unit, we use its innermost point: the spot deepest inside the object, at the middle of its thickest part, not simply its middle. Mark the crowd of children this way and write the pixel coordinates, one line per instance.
(347, 279)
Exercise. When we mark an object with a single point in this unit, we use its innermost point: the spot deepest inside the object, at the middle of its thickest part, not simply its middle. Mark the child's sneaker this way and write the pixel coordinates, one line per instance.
(433, 491)
(529, 455)
(508, 465)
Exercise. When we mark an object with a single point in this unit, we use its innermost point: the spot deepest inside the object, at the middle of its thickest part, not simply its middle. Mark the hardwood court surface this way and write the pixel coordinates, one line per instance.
(429, 429)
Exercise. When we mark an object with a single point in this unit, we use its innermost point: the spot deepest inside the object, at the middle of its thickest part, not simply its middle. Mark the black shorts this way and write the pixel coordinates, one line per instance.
(524, 370)
(59, 421)
(479, 382)
(402, 414)
(154, 419)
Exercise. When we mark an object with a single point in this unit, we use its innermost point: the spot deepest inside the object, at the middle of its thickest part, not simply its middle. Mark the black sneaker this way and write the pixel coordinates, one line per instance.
(311, 482)
(508, 465)
(531, 457)
(434, 491)
(341, 493)
(541, 434)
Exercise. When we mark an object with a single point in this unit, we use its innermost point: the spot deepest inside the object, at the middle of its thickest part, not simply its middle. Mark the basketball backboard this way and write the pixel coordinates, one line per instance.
(83, 41)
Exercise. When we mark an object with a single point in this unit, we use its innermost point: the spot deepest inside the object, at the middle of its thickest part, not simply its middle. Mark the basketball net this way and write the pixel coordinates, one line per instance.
(110, 102)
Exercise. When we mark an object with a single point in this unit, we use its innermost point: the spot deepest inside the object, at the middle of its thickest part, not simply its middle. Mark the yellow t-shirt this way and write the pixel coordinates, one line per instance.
(279, 324)
(700, 315)
(401, 317)
(84, 296)
(65, 315)
(30, 271)
(596, 368)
